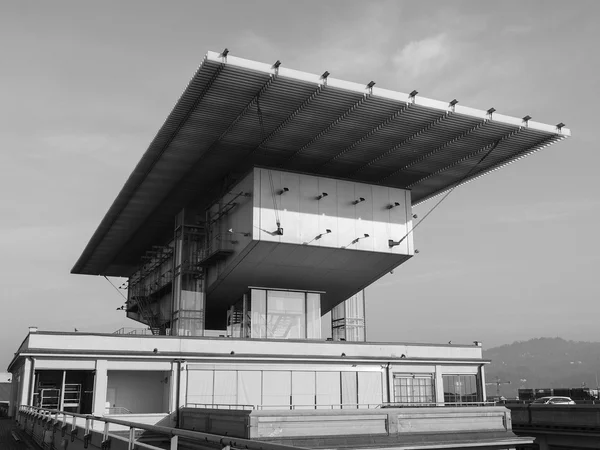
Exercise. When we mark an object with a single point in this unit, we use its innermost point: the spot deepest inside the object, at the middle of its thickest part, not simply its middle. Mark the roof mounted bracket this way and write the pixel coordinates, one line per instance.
(224, 54)
(370, 87)
(276, 67)
(412, 96)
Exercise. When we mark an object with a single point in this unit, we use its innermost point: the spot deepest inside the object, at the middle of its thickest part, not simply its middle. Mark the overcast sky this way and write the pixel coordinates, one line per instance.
(85, 86)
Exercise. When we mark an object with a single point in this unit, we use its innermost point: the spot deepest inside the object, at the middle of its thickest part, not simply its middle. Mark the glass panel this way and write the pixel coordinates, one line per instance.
(370, 388)
(313, 316)
(347, 319)
(349, 390)
(249, 387)
(303, 390)
(225, 387)
(413, 389)
(277, 389)
(286, 315)
(200, 386)
(328, 389)
(461, 388)
(258, 299)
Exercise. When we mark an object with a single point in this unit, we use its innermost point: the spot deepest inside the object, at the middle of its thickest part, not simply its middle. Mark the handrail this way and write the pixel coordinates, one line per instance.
(337, 406)
(172, 433)
(429, 404)
(219, 406)
(117, 410)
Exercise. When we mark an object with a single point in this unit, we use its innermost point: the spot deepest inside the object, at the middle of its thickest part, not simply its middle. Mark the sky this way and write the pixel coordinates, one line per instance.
(85, 86)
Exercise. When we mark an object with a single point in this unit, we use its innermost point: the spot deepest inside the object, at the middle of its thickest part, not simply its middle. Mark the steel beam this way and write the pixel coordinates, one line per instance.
(401, 144)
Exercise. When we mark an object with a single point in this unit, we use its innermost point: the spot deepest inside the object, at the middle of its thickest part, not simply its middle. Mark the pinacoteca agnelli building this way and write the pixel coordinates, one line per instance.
(268, 198)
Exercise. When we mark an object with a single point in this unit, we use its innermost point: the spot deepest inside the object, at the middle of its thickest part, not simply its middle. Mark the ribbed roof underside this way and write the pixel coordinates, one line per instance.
(310, 124)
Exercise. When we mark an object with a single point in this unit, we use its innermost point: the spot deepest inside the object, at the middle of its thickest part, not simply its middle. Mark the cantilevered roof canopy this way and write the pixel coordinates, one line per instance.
(237, 113)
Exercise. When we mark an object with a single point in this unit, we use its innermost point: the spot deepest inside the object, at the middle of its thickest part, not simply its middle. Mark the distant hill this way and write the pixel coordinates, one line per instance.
(543, 363)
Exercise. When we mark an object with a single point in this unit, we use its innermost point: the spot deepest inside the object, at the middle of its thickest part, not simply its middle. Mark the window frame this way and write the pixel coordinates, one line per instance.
(426, 399)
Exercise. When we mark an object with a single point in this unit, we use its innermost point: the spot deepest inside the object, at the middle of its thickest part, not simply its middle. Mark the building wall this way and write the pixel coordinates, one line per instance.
(326, 243)
(240, 371)
(303, 216)
(238, 220)
(219, 346)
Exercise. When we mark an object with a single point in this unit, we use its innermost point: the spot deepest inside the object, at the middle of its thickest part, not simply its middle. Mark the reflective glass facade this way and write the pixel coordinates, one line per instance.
(285, 314)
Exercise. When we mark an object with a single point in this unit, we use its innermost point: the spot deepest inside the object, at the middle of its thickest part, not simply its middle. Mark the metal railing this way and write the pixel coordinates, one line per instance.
(68, 422)
(230, 406)
(233, 406)
(283, 407)
(128, 330)
(117, 410)
(435, 404)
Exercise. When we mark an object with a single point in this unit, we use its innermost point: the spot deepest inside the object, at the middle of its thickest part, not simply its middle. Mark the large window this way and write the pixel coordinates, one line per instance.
(461, 389)
(285, 314)
(286, 389)
(413, 389)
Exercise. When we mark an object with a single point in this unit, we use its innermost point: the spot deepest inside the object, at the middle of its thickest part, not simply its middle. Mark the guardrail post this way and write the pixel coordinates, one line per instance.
(131, 442)
(174, 442)
(105, 439)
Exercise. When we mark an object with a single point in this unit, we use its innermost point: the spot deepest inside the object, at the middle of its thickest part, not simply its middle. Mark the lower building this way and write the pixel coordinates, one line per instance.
(309, 393)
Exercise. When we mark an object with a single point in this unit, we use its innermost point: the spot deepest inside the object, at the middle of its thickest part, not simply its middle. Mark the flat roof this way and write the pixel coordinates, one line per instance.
(196, 348)
(236, 114)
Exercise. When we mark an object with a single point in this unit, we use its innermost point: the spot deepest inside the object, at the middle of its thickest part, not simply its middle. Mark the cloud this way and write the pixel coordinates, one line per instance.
(116, 149)
(547, 211)
(423, 57)
(517, 29)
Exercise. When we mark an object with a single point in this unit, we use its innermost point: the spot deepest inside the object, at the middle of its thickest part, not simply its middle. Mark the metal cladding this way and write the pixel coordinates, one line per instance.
(236, 114)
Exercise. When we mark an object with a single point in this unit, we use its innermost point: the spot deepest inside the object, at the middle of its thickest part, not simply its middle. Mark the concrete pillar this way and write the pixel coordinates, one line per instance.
(482, 383)
(183, 384)
(26, 379)
(100, 387)
(173, 386)
(439, 386)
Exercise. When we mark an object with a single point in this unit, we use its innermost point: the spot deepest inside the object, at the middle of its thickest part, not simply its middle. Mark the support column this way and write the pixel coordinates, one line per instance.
(183, 384)
(61, 405)
(348, 319)
(482, 383)
(439, 386)
(174, 387)
(25, 391)
(187, 315)
(100, 388)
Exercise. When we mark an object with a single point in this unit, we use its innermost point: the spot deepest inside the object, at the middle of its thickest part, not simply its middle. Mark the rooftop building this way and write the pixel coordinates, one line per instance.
(268, 198)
